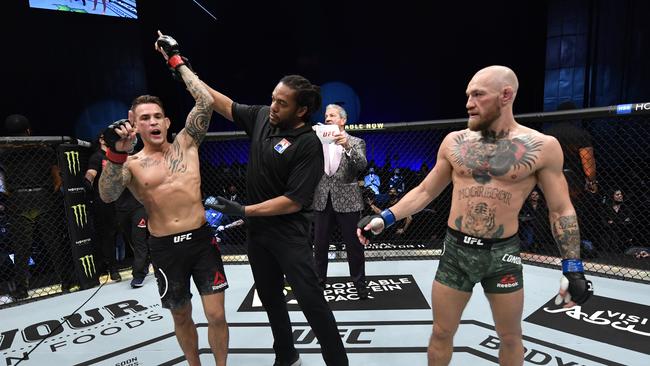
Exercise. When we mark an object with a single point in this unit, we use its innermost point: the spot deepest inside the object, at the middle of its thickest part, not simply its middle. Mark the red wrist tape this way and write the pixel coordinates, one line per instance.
(116, 157)
(175, 61)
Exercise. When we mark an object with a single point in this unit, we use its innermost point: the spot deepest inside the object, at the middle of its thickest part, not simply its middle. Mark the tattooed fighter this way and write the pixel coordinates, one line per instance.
(165, 177)
(493, 164)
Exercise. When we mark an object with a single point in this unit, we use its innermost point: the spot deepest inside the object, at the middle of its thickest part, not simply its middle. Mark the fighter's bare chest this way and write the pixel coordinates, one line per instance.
(487, 159)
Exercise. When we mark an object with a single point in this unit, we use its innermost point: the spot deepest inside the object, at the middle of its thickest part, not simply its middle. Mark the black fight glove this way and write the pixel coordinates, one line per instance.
(378, 223)
(111, 137)
(228, 207)
(573, 285)
(171, 49)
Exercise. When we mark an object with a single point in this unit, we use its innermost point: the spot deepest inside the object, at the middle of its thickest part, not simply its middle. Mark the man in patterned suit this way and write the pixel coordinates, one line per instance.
(338, 198)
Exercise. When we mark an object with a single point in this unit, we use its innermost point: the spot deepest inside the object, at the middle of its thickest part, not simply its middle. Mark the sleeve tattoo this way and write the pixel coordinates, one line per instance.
(198, 119)
(567, 236)
(112, 181)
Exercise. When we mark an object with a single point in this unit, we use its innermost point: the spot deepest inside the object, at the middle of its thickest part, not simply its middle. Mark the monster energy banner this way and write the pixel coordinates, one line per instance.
(72, 162)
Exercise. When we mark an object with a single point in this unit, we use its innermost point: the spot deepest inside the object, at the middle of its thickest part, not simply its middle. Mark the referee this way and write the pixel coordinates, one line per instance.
(284, 166)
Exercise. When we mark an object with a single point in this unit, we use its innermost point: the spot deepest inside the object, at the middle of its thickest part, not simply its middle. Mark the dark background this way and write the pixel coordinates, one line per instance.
(407, 61)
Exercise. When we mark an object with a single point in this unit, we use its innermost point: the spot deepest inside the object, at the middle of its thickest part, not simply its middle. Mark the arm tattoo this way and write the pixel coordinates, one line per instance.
(567, 235)
(198, 119)
(112, 181)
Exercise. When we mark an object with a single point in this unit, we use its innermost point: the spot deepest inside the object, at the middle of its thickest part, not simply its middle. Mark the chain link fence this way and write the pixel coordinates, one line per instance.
(35, 246)
(35, 250)
(612, 205)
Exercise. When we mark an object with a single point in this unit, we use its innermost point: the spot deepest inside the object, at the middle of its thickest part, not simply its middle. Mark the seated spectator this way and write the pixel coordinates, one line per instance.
(400, 228)
(370, 204)
(219, 221)
(397, 182)
(372, 181)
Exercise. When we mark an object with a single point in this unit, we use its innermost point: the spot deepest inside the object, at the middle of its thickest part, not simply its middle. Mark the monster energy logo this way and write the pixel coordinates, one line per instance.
(88, 262)
(73, 162)
(80, 215)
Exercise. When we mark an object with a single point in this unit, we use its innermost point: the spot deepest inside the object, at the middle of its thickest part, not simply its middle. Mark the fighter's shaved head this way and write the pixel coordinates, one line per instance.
(499, 77)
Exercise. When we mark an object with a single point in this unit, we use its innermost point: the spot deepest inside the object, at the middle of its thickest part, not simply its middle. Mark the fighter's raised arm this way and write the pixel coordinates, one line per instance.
(198, 120)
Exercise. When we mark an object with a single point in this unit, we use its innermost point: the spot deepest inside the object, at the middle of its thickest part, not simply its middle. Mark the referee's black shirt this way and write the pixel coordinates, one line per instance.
(280, 163)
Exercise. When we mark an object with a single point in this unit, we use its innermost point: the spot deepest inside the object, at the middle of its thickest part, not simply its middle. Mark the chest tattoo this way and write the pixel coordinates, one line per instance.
(175, 159)
(149, 162)
(492, 156)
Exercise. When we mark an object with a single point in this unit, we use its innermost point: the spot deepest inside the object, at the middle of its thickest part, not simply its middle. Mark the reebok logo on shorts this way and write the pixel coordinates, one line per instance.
(508, 281)
(219, 281)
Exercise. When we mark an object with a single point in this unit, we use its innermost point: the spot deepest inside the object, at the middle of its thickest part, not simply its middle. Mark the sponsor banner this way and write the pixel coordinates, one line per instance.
(389, 245)
(78, 215)
(620, 323)
(388, 292)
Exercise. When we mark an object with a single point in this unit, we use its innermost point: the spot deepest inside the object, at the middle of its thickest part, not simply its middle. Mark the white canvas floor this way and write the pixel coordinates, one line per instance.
(123, 326)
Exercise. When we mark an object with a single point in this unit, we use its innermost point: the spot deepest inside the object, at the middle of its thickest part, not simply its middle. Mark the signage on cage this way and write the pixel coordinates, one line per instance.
(88, 264)
(365, 126)
(395, 246)
(74, 166)
(384, 293)
(80, 214)
(620, 323)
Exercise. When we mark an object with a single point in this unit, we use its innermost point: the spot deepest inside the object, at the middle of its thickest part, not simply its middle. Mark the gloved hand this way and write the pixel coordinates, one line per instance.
(372, 225)
(574, 287)
(120, 139)
(88, 187)
(228, 207)
(171, 52)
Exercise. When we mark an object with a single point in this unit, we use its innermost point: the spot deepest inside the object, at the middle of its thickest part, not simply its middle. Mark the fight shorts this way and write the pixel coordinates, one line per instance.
(466, 260)
(178, 257)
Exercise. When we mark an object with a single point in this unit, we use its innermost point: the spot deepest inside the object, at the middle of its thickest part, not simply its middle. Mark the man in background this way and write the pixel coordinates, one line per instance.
(338, 199)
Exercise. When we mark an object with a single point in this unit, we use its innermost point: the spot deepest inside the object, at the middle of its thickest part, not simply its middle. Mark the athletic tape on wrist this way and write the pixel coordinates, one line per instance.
(572, 265)
(175, 61)
(388, 216)
(116, 157)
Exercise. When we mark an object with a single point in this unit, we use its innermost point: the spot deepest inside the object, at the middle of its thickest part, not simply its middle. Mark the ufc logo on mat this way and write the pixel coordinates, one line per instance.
(182, 238)
(472, 241)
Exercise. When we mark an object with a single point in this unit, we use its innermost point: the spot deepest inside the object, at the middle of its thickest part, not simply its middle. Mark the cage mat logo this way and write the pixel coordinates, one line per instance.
(77, 334)
(385, 292)
(620, 323)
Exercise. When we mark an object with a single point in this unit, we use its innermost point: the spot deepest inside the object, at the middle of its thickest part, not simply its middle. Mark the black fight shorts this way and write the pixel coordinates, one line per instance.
(178, 257)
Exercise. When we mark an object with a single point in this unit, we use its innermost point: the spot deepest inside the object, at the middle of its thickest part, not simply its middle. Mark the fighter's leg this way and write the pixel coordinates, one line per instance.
(448, 305)
(507, 311)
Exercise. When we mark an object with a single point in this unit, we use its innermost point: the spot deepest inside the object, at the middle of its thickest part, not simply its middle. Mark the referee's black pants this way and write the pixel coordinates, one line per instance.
(271, 260)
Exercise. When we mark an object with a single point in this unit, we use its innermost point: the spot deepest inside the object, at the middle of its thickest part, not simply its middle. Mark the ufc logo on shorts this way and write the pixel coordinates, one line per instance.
(472, 241)
(182, 238)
